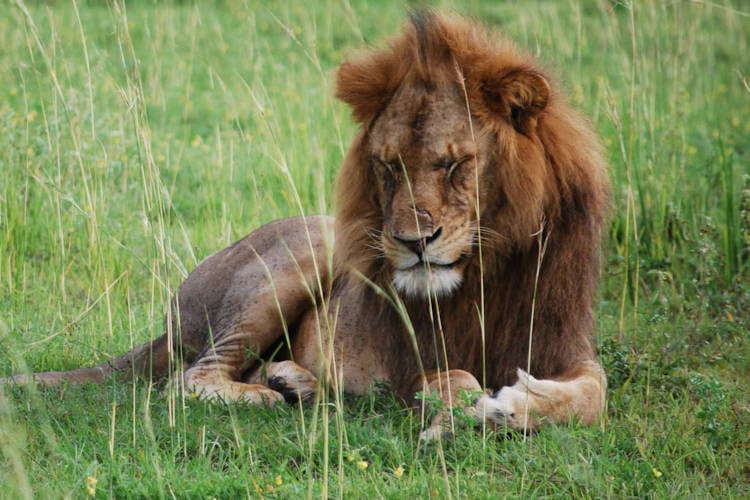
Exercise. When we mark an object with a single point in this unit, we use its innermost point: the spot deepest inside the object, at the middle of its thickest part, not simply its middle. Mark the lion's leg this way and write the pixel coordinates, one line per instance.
(217, 371)
(285, 271)
(578, 394)
(455, 389)
(253, 329)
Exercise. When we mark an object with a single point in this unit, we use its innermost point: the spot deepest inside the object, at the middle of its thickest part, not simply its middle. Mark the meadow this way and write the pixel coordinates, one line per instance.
(137, 138)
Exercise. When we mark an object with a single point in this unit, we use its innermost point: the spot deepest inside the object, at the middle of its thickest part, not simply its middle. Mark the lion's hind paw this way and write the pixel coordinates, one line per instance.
(212, 386)
(292, 381)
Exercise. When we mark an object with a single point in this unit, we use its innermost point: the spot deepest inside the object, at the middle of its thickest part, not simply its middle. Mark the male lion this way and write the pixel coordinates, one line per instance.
(469, 212)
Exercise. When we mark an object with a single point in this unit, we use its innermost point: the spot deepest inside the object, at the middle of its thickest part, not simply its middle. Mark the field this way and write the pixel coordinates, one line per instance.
(138, 138)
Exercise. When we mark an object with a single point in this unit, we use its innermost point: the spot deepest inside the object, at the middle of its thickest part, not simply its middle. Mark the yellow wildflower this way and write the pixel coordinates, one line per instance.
(362, 464)
(657, 473)
(399, 471)
(91, 485)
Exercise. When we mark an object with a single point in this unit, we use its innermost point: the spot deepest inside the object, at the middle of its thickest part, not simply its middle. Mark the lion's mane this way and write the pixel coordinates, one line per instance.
(542, 209)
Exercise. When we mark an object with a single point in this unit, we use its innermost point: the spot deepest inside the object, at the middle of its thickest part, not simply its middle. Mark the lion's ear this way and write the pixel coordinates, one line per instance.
(518, 96)
(366, 84)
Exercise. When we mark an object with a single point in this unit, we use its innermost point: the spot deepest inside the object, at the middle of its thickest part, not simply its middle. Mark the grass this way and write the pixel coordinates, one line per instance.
(135, 140)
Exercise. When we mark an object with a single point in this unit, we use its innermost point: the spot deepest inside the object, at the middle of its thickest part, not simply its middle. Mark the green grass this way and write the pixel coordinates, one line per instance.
(134, 142)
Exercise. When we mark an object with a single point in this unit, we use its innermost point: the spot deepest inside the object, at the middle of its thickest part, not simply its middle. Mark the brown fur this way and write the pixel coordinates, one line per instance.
(547, 169)
(472, 202)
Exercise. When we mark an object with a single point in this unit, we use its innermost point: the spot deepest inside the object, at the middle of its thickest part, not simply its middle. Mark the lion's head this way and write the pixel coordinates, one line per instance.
(459, 145)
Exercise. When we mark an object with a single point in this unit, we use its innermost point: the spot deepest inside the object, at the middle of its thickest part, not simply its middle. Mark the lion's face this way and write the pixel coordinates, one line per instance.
(424, 156)
(448, 151)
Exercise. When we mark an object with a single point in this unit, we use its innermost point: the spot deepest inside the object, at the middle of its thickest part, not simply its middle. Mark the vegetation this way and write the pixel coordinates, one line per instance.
(137, 139)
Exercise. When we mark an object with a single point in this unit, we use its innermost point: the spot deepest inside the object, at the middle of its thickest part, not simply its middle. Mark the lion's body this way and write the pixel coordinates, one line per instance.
(471, 202)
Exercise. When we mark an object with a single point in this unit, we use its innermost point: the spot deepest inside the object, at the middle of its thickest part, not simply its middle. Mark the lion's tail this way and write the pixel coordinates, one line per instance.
(146, 360)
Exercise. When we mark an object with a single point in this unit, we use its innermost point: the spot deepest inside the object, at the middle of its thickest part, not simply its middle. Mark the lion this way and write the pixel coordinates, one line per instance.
(463, 256)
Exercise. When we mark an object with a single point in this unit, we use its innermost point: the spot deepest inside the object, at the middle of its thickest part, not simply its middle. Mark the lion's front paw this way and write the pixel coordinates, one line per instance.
(508, 407)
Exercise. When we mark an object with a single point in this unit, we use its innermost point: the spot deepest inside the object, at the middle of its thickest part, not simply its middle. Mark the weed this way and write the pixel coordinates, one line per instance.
(712, 408)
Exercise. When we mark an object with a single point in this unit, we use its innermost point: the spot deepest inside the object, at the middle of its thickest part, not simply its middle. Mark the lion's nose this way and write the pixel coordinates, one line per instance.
(416, 244)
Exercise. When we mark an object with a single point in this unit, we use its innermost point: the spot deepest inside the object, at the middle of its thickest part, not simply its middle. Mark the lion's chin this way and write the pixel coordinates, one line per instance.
(419, 282)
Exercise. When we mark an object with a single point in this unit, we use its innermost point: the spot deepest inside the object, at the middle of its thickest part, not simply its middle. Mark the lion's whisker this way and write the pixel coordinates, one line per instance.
(489, 237)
